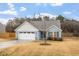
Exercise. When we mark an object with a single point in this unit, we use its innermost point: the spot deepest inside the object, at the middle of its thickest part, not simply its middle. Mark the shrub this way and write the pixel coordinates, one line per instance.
(55, 39)
(58, 39)
(76, 34)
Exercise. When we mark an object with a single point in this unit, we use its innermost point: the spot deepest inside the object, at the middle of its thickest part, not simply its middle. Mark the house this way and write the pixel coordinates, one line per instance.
(2, 28)
(37, 30)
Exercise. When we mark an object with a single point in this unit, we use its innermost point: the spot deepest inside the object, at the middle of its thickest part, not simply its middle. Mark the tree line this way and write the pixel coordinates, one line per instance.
(67, 25)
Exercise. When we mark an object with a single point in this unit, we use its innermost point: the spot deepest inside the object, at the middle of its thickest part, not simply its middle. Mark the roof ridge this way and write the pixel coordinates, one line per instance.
(40, 24)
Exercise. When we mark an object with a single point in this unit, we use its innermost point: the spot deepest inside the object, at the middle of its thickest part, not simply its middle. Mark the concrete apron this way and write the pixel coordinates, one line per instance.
(11, 43)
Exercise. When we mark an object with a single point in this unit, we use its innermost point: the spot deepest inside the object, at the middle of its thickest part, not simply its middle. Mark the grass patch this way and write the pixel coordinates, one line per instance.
(7, 35)
(67, 47)
(45, 44)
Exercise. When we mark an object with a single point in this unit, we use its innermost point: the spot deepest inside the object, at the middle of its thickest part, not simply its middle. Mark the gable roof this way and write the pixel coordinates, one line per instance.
(58, 29)
(44, 25)
(26, 26)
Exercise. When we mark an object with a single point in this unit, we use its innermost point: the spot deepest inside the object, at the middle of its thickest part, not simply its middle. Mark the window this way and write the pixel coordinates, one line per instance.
(24, 32)
(32, 32)
(28, 32)
(57, 34)
(20, 32)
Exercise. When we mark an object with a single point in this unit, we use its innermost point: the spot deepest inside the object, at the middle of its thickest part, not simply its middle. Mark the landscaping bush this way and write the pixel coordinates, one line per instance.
(58, 39)
(76, 34)
(55, 39)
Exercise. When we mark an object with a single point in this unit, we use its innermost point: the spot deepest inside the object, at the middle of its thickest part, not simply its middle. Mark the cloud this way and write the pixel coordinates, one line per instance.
(22, 8)
(5, 20)
(10, 11)
(51, 4)
(11, 6)
(45, 4)
(48, 14)
(41, 15)
(76, 17)
(39, 4)
(66, 12)
(56, 4)
(29, 16)
(36, 15)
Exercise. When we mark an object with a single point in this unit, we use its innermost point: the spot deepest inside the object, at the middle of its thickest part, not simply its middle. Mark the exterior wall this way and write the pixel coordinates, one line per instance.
(59, 34)
(37, 35)
(16, 35)
(49, 34)
(41, 35)
(26, 26)
(54, 29)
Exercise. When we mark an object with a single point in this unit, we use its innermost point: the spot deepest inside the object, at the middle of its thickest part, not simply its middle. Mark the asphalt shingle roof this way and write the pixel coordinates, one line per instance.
(44, 25)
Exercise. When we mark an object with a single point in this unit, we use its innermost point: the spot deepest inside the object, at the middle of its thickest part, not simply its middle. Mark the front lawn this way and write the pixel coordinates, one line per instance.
(4, 40)
(68, 47)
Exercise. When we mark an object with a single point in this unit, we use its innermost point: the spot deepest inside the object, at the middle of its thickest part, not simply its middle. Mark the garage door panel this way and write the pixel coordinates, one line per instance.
(21, 36)
(27, 36)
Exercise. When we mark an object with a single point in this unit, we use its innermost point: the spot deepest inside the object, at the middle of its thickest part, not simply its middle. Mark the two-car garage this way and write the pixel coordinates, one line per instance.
(26, 35)
(26, 31)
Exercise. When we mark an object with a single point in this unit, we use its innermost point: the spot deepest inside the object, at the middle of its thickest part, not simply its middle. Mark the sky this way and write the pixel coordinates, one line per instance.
(11, 10)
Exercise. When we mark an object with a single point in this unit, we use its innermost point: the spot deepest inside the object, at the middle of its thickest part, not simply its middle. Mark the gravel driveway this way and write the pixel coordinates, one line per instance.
(10, 43)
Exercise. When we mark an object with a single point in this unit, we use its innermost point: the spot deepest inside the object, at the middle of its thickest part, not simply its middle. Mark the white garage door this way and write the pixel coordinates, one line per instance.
(26, 35)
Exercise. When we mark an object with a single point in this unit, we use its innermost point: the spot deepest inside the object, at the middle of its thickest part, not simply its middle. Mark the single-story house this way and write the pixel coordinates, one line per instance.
(2, 28)
(37, 30)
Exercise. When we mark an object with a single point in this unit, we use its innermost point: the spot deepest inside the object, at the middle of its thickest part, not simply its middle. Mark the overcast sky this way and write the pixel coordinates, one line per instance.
(11, 10)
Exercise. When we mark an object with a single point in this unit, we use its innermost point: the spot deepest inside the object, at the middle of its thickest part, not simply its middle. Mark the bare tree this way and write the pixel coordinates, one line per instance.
(44, 31)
